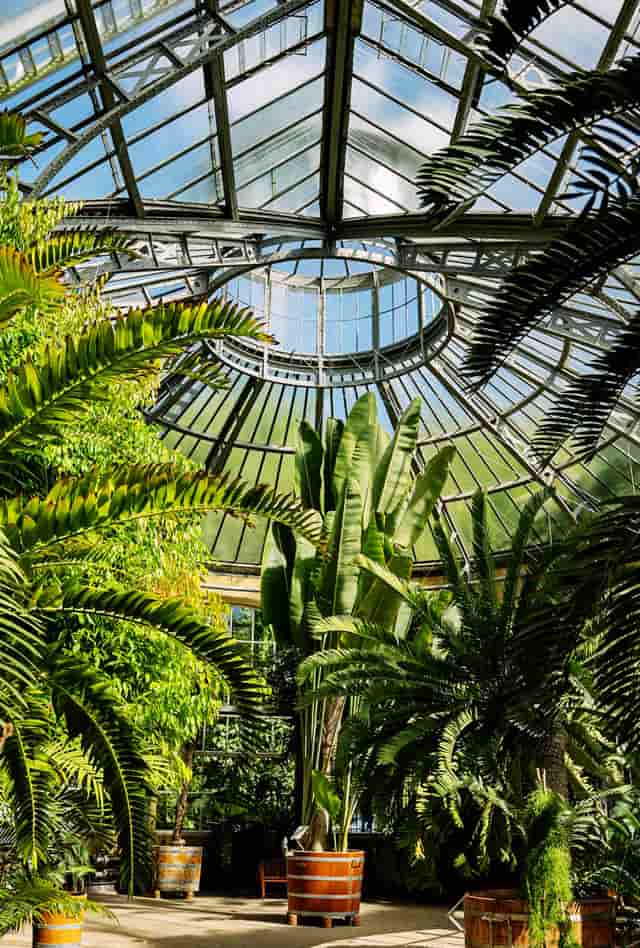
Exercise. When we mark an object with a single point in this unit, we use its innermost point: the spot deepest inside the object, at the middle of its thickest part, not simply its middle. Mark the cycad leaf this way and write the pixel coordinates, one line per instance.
(37, 399)
(21, 286)
(102, 498)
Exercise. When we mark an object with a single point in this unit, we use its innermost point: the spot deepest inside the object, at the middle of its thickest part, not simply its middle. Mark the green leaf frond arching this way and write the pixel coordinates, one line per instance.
(38, 398)
(592, 246)
(20, 633)
(518, 19)
(75, 245)
(78, 506)
(94, 714)
(32, 777)
(585, 405)
(170, 615)
(455, 176)
(15, 141)
(21, 286)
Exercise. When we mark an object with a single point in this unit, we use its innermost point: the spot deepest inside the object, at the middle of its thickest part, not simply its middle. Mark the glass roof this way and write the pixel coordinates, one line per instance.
(267, 150)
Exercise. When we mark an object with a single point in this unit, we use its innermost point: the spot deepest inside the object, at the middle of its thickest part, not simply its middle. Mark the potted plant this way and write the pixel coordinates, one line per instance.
(55, 914)
(362, 482)
(543, 912)
(322, 883)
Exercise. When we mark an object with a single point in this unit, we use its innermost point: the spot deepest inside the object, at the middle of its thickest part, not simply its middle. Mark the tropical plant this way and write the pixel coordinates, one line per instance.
(55, 533)
(362, 483)
(455, 715)
(601, 237)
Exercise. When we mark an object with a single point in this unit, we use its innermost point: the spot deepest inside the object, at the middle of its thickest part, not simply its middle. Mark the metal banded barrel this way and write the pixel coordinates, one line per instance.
(500, 919)
(326, 885)
(177, 869)
(57, 929)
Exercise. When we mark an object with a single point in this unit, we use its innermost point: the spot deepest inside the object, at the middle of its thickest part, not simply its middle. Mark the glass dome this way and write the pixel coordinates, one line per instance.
(267, 151)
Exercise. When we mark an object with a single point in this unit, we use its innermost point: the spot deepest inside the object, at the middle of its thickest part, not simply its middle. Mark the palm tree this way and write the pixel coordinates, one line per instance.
(50, 538)
(457, 717)
(604, 235)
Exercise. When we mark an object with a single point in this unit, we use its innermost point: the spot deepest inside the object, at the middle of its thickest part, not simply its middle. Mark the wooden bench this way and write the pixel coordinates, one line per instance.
(272, 872)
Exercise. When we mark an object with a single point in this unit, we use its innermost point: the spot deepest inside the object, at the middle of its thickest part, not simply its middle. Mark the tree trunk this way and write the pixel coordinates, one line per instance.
(181, 806)
(334, 710)
(553, 750)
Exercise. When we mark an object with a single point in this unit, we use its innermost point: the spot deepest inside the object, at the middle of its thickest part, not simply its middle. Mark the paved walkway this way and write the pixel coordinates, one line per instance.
(227, 922)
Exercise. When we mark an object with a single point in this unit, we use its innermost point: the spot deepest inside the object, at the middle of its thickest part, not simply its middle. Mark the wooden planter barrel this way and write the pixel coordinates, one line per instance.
(177, 869)
(57, 929)
(324, 885)
(500, 919)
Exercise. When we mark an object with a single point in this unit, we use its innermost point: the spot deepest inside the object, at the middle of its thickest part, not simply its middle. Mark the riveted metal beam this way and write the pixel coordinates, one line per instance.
(472, 83)
(215, 91)
(99, 65)
(343, 23)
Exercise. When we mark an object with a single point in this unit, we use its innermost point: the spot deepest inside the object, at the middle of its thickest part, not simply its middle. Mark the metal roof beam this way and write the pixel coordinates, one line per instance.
(343, 22)
(99, 65)
(215, 90)
(471, 84)
(607, 57)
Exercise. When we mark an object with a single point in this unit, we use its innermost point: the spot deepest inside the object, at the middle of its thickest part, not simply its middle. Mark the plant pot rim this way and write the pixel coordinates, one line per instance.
(326, 852)
(514, 894)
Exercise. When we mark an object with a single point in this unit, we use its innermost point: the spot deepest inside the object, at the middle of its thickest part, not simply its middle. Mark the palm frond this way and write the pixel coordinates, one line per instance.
(586, 404)
(20, 634)
(592, 246)
(79, 506)
(94, 715)
(75, 245)
(15, 141)
(453, 177)
(31, 780)
(21, 286)
(171, 616)
(38, 398)
(519, 18)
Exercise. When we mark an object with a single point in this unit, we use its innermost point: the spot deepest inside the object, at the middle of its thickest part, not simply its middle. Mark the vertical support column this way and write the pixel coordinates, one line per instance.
(268, 323)
(375, 322)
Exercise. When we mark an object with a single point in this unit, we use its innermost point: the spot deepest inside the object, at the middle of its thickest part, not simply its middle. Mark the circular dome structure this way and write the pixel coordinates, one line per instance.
(268, 151)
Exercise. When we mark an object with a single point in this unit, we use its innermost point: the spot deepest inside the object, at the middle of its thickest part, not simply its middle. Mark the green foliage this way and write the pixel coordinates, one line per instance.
(547, 878)
(519, 18)
(325, 796)
(360, 483)
(29, 900)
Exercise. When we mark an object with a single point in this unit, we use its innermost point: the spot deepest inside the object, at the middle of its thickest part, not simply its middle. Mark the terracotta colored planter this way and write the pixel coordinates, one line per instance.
(324, 885)
(500, 917)
(56, 929)
(177, 869)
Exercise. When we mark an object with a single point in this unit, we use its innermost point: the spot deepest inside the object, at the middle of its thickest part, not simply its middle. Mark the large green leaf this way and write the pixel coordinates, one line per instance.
(39, 398)
(393, 475)
(21, 638)
(340, 575)
(332, 438)
(308, 467)
(358, 452)
(78, 506)
(15, 141)
(302, 590)
(275, 589)
(424, 497)
(382, 603)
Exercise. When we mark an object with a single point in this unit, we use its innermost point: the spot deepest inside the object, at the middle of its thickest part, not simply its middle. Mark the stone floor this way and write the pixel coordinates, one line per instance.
(227, 922)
